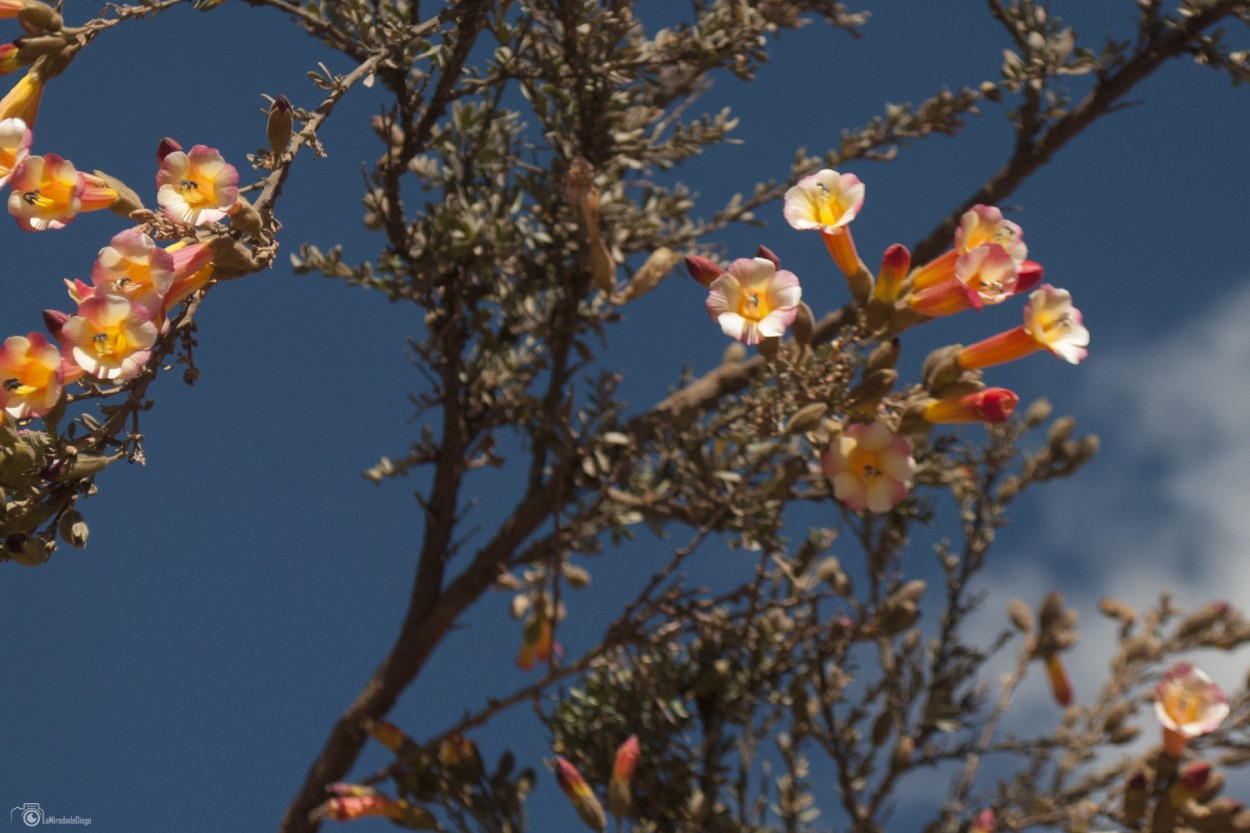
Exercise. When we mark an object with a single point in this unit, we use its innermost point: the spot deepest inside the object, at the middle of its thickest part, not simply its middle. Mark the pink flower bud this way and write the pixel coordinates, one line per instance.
(702, 270)
(768, 254)
(166, 147)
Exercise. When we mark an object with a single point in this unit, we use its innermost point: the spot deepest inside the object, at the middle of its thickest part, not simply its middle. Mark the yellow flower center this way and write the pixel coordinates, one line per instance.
(30, 377)
(1183, 707)
(109, 344)
(754, 306)
(193, 192)
(865, 464)
(829, 208)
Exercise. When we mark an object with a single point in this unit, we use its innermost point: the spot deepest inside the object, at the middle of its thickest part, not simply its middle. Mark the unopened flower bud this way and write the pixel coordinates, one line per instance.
(127, 200)
(166, 147)
(1060, 684)
(884, 355)
(875, 385)
(859, 282)
(991, 405)
(941, 368)
(984, 822)
(1116, 609)
(54, 320)
(36, 16)
(245, 217)
(702, 269)
(579, 793)
(280, 125)
(1028, 275)
(1198, 621)
(804, 325)
(806, 418)
(82, 466)
(626, 762)
(1037, 413)
(768, 254)
(894, 265)
(36, 46)
(1060, 430)
(1020, 614)
(73, 528)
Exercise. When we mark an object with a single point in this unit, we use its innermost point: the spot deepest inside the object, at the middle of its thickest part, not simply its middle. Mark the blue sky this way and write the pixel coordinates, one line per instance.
(183, 671)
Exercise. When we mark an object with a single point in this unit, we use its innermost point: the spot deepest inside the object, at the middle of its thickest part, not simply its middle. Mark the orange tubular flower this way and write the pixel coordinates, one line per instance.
(193, 269)
(22, 102)
(1050, 323)
(980, 226)
(1060, 684)
(986, 275)
(984, 822)
(623, 769)
(894, 265)
(579, 793)
(536, 641)
(96, 194)
(10, 58)
(992, 405)
(828, 201)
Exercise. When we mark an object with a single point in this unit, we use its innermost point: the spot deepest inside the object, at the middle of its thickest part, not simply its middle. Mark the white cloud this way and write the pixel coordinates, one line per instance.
(1164, 507)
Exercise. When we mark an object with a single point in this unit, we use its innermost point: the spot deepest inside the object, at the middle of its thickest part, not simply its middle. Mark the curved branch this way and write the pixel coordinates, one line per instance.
(1029, 156)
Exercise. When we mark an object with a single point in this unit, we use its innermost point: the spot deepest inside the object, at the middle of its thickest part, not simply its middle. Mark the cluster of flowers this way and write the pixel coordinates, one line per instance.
(870, 465)
(134, 282)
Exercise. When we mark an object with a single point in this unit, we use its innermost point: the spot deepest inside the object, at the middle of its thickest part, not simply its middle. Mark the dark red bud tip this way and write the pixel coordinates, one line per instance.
(282, 104)
(997, 404)
(1195, 776)
(767, 254)
(54, 320)
(166, 147)
(703, 270)
(896, 258)
(1028, 275)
